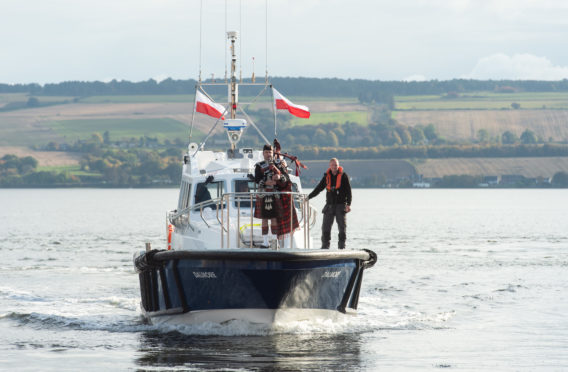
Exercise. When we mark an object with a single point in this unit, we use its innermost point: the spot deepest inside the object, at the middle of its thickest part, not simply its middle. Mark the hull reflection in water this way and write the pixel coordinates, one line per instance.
(275, 352)
(260, 287)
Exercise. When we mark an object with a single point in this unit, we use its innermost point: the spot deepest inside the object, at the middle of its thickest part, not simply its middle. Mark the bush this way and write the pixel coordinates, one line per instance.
(560, 179)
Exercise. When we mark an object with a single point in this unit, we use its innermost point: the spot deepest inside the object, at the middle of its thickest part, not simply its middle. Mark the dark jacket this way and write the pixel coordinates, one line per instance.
(339, 196)
(261, 172)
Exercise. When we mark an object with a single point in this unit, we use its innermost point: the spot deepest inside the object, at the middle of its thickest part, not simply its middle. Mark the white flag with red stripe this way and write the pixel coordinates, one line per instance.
(206, 106)
(282, 103)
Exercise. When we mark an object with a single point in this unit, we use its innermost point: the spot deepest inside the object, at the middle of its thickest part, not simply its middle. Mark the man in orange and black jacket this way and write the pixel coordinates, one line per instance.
(337, 205)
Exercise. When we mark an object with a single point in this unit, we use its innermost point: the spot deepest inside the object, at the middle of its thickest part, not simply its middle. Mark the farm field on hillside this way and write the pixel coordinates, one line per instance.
(528, 167)
(34, 126)
(6, 98)
(141, 98)
(359, 117)
(31, 126)
(161, 128)
(189, 98)
(484, 100)
(44, 158)
(464, 125)
(18, 101)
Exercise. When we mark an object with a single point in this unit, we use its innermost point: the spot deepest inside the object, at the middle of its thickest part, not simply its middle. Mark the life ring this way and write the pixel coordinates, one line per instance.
(170, 231)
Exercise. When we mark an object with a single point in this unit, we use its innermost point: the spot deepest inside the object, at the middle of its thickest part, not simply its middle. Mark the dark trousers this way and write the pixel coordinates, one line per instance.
(331, 212)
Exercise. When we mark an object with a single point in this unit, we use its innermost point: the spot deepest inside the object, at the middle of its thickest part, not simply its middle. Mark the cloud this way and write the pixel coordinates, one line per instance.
(160, 77)
(415, 77)
(517, 67)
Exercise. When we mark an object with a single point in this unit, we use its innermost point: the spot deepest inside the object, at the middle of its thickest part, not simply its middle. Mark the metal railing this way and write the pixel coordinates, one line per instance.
(241, 205)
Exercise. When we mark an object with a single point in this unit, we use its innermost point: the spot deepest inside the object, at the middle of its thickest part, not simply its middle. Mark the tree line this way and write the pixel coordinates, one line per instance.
(103, 164)
(112, 167)
(365, 90)
(22, 171)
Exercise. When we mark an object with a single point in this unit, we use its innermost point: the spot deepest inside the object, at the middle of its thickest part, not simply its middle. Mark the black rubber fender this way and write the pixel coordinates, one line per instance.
(372, 259)
(146, 261)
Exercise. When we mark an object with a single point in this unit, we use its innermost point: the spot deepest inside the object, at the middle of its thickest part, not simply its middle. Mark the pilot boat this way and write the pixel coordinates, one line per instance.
(217, 266)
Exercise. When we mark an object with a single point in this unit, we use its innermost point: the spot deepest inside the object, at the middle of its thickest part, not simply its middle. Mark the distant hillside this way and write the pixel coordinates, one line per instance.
(350, 119)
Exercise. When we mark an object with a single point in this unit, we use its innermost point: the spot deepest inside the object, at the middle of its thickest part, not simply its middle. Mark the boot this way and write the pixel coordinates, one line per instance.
(341, 241)
(325, 238)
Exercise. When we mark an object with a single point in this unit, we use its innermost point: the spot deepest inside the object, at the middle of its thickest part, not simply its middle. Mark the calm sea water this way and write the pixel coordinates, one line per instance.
(466, 280)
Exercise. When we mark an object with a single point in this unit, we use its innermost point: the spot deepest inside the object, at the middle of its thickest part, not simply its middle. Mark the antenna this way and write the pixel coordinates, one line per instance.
(200, 35)
(225, 34)
(241, 43)
(266, 31)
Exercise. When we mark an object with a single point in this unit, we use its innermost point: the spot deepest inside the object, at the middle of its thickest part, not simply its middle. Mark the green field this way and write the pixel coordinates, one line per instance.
(484, 101)
(22, 98)
(180, 98)
(161, 129)
(305, 100)
(477, 100)
(455, 119)
(74, 170)
(12, 97)
(359, 117)
(174, 98)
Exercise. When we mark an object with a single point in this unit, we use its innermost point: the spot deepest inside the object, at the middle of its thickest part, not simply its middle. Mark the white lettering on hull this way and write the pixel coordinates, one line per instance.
(204, 275)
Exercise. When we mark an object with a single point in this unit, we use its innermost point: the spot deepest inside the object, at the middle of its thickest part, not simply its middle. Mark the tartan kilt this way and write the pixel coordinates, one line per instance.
(287, 213)
(260, 206)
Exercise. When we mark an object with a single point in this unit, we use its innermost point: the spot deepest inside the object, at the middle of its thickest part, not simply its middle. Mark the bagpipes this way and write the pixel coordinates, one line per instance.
(293, 159)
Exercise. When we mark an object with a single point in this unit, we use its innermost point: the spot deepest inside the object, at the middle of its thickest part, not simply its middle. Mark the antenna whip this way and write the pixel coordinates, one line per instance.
(200, 35)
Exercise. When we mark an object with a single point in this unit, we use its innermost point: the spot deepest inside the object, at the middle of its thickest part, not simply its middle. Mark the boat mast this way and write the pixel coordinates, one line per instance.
(234, 94)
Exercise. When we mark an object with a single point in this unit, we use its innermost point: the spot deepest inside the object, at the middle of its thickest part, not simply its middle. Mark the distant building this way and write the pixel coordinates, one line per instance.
(491, 180)
(537, 181)
(544, 180)
(421, 185)
(433, 181)
(512, 179)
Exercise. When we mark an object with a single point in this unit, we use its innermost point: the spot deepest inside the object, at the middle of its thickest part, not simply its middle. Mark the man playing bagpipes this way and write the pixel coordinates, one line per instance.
(268, 206)
(288, 220)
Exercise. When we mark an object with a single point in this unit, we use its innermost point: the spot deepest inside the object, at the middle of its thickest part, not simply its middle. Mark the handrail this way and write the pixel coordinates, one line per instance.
(201, 214)
(305, 213)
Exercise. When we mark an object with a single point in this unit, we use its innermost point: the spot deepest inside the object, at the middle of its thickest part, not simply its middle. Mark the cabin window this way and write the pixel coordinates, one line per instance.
(208, 191)
(241, 186)
(184, 195)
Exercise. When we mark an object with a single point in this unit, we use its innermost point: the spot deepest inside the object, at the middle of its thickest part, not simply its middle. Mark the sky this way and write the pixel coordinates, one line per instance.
(50, 41)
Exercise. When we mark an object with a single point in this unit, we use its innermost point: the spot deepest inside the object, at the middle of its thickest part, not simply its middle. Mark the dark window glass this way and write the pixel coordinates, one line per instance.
(243, 186)
(208, 191)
